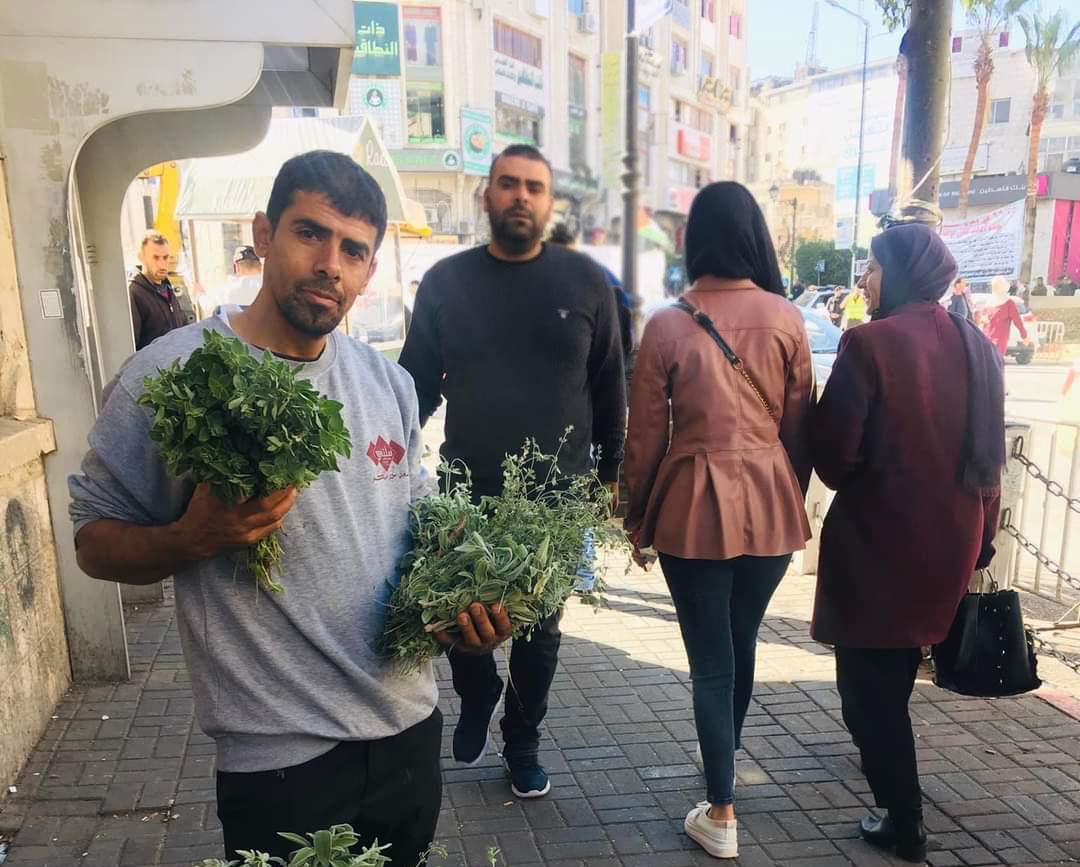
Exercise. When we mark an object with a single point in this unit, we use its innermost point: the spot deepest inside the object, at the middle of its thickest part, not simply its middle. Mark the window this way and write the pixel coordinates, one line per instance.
(578, 112)
(1052, 154)
(708, 10)
(1003, 39)
(426, 122)
(437, 208)
(517, 123)
(423, 38)
(679, 56)
(686, 175)
(575, 7)
(736, 80)
(999, 110)
(692, 116)
(957, 44)
(705, 67)
(648, 39)
(518, 44)
(735, 25)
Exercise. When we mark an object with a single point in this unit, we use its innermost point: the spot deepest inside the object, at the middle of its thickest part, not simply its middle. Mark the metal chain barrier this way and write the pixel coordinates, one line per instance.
(1044, 648)
(1053, 568)
(1033, 470)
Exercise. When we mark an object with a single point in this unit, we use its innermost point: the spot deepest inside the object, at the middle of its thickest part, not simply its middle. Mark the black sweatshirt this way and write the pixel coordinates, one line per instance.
(520, 349)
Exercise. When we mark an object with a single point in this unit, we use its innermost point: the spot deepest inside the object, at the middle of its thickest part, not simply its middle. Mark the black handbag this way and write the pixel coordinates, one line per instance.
(987, 652)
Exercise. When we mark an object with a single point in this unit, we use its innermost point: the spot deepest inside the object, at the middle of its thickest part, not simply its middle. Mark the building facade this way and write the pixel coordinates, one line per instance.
(450, 84)
(809, 126)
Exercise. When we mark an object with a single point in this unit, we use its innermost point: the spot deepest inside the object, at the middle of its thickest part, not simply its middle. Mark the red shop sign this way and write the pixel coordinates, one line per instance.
(693, 144)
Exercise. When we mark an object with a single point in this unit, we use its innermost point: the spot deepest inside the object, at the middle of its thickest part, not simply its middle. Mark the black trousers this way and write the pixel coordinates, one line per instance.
(390, 789)
(875, 687)
(532, 668)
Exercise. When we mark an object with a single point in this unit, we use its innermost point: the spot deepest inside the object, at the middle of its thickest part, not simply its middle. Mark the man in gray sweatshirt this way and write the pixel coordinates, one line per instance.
(313, 727)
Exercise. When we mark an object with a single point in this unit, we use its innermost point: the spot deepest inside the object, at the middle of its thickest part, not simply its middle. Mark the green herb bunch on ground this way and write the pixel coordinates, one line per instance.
(522, 548)
(246, 426)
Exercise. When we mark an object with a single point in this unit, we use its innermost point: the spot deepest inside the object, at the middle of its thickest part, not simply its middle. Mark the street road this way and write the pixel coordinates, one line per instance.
(1034, 390)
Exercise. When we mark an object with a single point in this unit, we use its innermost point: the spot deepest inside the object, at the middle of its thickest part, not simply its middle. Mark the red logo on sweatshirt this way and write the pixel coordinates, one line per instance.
(383, 453)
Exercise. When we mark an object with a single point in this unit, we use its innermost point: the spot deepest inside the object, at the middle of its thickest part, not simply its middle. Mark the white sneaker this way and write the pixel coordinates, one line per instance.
(718, 838)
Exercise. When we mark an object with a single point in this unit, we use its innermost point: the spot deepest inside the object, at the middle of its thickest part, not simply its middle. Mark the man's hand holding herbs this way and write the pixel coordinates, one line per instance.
(479, 630)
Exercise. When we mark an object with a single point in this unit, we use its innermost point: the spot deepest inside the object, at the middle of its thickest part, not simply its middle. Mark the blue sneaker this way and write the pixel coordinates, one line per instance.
(527, 778)
(472, 734)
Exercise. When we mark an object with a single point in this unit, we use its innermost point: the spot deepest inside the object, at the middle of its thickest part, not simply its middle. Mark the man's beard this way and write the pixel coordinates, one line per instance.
(307, 318)
(516, 237)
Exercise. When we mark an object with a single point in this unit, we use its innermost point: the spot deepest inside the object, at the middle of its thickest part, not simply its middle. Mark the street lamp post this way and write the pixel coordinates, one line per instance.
(862, 124)
(630, 175)
(774, 194)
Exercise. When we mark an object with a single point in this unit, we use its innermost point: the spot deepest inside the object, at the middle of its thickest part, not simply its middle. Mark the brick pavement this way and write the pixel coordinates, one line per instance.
(123, 777)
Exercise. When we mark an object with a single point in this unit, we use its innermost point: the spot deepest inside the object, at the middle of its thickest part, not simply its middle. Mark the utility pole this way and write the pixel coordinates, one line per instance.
(926, 47)
(862, 129)
(630, 177)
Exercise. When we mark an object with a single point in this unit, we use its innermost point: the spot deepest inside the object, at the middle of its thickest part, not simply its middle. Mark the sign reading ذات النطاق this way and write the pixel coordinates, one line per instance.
(476, 136)
(378, 46)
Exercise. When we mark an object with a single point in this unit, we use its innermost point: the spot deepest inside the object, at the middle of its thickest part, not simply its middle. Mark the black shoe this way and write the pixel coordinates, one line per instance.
(473, 730)
(907, 841)
(527, 778)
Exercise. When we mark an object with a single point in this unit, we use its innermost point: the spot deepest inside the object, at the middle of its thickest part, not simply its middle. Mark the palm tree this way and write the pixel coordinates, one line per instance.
(990, 17)
(1049, 50)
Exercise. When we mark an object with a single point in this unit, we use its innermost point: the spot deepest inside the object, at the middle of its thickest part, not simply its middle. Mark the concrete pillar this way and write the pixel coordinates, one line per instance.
(68, 89)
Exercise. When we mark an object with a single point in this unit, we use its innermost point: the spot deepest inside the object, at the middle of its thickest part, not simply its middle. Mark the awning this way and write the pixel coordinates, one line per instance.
(234, 188)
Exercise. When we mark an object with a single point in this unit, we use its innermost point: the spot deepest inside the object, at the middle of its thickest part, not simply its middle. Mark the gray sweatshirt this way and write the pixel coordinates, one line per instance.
(282, 678)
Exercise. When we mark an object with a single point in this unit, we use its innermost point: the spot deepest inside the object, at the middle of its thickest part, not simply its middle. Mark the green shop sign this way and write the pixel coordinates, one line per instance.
(427, 160)
(378, 46)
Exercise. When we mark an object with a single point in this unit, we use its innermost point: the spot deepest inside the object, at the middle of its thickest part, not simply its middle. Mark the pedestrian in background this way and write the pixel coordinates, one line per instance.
(915, 458)
(835, 306)
(960, 301)
(155, 305)
(722, 498)
(1000, 316)
(854, 309)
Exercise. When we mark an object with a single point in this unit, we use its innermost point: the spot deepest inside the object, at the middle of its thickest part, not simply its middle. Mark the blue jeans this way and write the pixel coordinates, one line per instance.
(720, 604)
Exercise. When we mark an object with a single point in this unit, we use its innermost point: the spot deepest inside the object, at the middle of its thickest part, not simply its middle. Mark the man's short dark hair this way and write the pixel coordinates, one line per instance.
(520, 150)
(153, 236)
(561, 234)
(350, 189)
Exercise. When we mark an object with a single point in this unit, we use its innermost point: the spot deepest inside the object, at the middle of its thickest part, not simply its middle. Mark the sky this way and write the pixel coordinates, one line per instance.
(778, 31)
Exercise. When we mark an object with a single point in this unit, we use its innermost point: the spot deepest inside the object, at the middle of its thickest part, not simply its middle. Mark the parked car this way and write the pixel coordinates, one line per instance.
(1018, 349)
(817, 300)
(824, 341)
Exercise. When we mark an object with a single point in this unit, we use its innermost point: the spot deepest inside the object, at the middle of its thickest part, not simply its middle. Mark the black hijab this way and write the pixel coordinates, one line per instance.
(916, 266)
(726, 236)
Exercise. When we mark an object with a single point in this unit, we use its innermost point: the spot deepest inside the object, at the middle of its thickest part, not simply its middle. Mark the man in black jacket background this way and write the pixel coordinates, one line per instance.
(155, 307)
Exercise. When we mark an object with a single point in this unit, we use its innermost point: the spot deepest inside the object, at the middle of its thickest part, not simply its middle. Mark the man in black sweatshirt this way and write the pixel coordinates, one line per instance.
(522, 339)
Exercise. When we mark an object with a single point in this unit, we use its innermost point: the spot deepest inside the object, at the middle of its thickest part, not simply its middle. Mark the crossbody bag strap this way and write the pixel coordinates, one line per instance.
(707, 324)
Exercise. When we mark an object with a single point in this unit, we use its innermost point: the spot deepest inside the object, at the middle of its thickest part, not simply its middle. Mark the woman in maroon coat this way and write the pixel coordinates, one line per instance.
(910, 433)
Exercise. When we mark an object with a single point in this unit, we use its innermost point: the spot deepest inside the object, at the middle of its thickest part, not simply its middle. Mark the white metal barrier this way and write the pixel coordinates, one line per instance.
(1051, 341)
(1037, 548)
